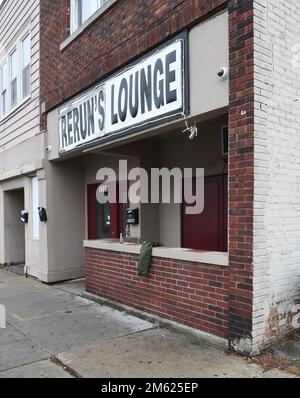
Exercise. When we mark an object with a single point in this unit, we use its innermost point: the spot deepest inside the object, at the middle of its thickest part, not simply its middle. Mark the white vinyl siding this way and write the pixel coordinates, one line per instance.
(19, 18)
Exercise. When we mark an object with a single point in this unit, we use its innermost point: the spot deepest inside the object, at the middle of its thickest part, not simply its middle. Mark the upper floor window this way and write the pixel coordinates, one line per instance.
(3, 88)
(81, 10)
(13, 78)
(26, 66)
(15, 75)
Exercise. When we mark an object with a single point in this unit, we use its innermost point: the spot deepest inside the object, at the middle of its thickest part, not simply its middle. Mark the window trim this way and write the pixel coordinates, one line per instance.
(75, 34)
(11, 79)
(76, 17)
(4, 89)
(2, 2)
(22, 66)
(6, 59)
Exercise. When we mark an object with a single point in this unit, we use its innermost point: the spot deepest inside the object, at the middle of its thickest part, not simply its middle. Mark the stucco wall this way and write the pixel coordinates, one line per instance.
(12, 243)
(21, 144)
(14, 238)
(19, 158)
(65, 206)
(209, 51)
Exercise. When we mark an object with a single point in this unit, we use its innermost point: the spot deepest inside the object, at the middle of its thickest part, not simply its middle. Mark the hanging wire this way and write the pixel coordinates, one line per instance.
(193, 130)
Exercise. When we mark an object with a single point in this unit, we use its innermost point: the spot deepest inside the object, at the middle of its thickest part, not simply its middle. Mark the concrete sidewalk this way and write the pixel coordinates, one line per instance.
(85, 339)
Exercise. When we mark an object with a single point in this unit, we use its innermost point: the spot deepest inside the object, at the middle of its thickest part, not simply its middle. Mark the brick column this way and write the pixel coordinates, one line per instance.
(241, 174)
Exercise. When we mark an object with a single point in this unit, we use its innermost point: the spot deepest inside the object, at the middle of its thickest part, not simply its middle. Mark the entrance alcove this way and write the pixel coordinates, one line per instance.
(14, 238)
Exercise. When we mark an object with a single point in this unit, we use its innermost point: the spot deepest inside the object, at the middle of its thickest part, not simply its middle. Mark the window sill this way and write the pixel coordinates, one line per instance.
(86, 24)
(15, 110)
(203, 257)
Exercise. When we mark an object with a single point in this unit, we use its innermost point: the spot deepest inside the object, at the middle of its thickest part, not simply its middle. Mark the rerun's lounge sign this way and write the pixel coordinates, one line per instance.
(153, 89)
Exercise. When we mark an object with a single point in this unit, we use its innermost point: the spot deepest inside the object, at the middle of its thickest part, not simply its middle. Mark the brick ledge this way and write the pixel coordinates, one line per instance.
(205, 257)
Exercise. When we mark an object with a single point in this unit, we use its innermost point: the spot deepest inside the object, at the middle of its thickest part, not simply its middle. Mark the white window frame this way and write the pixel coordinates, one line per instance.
(3, 88)
(23, 66)
(11, 78)
(75, 24)
(5, 59)
(35, 220)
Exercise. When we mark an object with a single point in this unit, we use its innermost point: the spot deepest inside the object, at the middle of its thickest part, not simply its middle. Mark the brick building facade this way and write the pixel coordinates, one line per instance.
(237, 302)
(239, 283)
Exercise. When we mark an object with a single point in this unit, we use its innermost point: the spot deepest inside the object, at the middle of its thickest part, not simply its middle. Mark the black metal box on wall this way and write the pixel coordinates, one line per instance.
(132, 216)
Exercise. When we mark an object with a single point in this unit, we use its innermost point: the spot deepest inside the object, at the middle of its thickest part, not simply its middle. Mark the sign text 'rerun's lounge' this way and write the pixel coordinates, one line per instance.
(150, 90)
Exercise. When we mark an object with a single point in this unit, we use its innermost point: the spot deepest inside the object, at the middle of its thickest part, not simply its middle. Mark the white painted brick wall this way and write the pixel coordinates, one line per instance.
(277, 168)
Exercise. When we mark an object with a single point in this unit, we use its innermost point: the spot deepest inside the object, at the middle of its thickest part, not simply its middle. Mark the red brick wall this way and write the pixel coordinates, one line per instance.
(241, 169)
(128, 29)
(192, 294)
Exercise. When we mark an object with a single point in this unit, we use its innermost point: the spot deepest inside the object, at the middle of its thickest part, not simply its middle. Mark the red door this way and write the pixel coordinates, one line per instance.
(208, 231)
(104, 220)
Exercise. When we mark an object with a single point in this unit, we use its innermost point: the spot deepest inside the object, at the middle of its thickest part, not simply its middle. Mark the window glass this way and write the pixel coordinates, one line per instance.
(3, 89)
(26, 66)
(13, 64)
(82, 10)
(26, 51)
(86, 7)
(15, 74)
(13, 79)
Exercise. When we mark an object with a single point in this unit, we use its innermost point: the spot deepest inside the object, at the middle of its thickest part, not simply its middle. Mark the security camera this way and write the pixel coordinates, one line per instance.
(48, 148)
(223, 73)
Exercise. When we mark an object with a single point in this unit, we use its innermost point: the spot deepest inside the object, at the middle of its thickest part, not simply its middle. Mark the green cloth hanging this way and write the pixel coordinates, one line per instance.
(145, 258)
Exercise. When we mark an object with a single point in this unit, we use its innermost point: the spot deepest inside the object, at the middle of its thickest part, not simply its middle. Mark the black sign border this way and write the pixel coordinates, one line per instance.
(153, 122)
